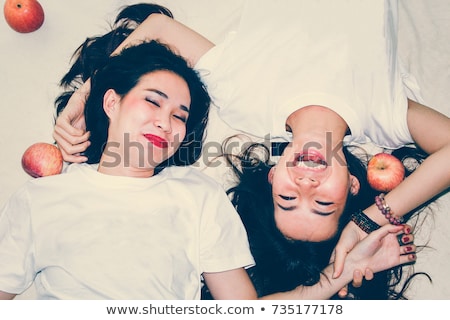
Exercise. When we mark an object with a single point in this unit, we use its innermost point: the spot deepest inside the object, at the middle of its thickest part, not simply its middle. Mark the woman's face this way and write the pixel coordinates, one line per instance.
(148, 124)
(309, 192)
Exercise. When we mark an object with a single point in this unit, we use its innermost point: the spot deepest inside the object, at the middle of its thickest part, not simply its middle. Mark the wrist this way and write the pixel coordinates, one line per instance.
(365, 223)
(381, 213)
(85, 89)
(326, 287)
(386, 210)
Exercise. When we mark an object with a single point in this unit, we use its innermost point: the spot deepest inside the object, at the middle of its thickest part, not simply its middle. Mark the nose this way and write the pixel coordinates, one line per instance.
(162, 121)
(307, 182)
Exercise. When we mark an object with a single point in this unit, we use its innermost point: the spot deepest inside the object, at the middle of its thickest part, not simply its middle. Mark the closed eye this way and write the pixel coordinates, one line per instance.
(324, 214)
(152, 102)
(323, 203)
(291, 208)
(183, 119)
(287, 198)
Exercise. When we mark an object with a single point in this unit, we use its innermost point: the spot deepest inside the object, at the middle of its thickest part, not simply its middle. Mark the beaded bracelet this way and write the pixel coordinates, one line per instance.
(364, 222)
(386, 210)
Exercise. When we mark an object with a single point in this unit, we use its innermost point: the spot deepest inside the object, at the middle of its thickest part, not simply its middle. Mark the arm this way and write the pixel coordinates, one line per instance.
(379, 251)
(183, 40)
(6, 296)
(230, 285)
(70, 130)
(431, 132)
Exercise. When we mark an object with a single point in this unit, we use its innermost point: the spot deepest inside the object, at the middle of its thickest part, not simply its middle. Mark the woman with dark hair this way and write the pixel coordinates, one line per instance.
(282, 263)
(137, 223)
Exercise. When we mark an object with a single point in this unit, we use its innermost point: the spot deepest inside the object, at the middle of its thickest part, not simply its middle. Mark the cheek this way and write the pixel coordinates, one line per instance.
(178, 133)
(338, 188)
(280, 180)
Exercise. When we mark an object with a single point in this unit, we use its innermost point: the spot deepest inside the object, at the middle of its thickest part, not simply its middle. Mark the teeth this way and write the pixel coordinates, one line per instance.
(305, 161)
(310, 164)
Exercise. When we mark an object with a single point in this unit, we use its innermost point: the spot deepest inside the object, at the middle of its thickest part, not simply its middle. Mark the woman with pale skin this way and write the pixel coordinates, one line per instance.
(311, 183)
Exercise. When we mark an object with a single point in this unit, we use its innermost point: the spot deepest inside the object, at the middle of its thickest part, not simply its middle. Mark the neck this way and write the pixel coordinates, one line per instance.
(115, 166)
(317, 124)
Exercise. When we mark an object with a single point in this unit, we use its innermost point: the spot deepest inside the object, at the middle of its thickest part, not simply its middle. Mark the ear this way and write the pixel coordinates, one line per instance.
(110, 102)
(270, 174)
(354, 185)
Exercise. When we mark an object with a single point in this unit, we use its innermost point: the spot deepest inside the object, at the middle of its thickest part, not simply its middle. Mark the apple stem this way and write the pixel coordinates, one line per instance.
(19, 5)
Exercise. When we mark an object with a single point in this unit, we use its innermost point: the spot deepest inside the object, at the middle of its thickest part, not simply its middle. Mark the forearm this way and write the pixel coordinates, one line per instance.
(186, 42)
(428, 180)
(430, 131)
(183, 40)
(6, 296)
(324, 289)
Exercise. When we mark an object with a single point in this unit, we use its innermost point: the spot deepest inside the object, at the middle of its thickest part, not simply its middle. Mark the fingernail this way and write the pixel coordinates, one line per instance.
(405, 239)
(408, 248)
(412, 257)
(408, 230)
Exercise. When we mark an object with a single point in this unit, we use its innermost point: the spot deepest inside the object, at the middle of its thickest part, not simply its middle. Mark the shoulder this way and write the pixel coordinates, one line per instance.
(72, 175)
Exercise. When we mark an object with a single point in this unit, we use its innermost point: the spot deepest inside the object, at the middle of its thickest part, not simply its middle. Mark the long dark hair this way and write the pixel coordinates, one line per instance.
(122, 72)
(283, 264)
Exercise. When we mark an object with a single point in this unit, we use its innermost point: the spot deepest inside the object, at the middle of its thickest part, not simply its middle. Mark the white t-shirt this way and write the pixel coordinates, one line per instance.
(86, 235)
(290, 54)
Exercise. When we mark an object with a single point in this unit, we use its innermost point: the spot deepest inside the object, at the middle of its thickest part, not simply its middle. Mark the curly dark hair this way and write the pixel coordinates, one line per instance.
(283, 264)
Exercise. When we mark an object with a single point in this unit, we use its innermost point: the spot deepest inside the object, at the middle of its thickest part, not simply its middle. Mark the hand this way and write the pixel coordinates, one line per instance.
(351, 235)
(70, 128)
(381, 250)
(358, 277)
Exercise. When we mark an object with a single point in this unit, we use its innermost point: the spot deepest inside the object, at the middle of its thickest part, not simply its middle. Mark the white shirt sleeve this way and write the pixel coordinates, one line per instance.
(16, 246)
(223, 240)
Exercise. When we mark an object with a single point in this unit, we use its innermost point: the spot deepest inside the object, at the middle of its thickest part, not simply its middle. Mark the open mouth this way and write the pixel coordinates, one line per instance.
(310, 161)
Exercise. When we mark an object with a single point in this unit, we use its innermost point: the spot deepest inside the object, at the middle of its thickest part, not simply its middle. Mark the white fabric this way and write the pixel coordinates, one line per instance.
(86, 235)
(347, 61)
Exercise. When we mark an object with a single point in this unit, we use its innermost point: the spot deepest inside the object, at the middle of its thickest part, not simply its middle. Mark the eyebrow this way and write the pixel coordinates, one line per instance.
(165, 96)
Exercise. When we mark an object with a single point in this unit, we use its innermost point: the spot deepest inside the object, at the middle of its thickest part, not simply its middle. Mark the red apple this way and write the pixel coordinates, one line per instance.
(42, 159)
(23, 15)
(385, 172)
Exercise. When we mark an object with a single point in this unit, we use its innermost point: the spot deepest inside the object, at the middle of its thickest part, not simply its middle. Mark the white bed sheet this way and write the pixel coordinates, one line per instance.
(33, 63)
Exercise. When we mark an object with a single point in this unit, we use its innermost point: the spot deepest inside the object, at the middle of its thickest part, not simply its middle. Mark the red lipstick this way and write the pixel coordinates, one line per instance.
(157, 141)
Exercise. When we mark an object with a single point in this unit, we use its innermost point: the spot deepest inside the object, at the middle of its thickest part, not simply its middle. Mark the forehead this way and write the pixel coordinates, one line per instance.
(161, 76)
(169, 83)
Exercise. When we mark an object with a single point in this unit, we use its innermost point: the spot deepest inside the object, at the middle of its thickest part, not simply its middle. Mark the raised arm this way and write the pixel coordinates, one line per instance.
(70, 130)
(183, 40)
(430, 130)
